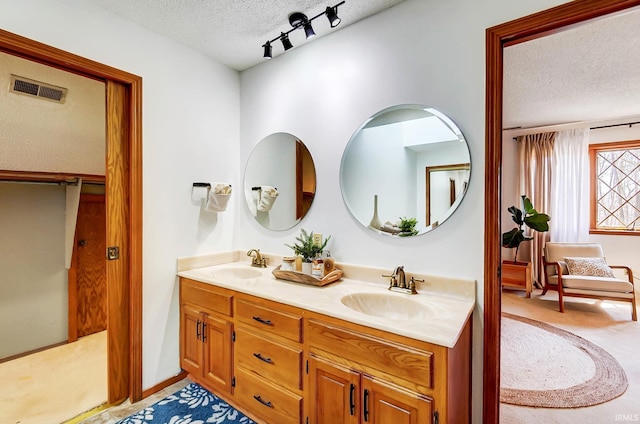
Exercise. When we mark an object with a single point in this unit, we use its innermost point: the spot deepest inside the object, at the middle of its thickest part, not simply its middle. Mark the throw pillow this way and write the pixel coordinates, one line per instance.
(593, 267)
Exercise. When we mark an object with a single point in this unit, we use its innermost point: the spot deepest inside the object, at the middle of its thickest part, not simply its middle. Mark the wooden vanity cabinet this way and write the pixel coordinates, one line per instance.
(268, 360)
(206, 333)
(362, 375)
(343, 395)
(285, 365)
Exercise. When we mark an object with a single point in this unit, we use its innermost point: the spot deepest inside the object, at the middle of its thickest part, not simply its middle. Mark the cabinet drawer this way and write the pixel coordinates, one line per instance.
(273, 404)
(270, 359)
(269, 320)
(207, 296)
(406, 362)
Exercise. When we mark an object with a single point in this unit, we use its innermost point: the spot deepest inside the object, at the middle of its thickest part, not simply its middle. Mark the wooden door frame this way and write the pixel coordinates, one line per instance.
(510, 33)
(126, 370)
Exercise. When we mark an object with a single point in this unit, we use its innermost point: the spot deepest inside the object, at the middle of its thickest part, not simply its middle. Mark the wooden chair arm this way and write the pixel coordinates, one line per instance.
(558, 268)
(629, 271)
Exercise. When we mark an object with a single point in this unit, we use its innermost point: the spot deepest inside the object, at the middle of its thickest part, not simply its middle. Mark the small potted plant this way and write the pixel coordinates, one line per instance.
(307, 248)
(516, 273)
(408, 227)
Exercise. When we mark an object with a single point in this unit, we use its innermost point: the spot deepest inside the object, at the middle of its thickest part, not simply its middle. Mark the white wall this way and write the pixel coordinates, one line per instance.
(419, 51)
(33, 276)
(190, 133)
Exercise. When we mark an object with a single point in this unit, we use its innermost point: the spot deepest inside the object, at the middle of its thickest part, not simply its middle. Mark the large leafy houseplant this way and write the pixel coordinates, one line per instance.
(306, 247)
(527, 216)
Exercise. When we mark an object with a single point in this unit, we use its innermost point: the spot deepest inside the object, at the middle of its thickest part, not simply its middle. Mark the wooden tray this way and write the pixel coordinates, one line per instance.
(299, 277)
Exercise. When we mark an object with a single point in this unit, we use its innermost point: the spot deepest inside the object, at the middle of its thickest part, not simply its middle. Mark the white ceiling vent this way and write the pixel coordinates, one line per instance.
(41, 90)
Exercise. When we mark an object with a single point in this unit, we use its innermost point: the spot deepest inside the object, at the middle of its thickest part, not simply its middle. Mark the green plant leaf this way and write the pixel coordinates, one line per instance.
(516, 215)
(513, 238)
(538, 222)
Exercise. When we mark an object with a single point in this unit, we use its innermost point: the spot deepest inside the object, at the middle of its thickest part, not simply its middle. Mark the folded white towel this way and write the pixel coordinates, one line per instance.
(222, 189)
(390, 227)
(268, 195)
(218, 197)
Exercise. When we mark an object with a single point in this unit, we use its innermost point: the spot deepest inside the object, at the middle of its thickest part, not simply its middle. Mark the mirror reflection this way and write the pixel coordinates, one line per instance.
(279, 181)
(405, 170)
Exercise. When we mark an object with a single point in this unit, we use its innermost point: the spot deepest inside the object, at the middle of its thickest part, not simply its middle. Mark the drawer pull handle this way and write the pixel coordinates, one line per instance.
(259, 399)
(263, 321)
(204, 333)
(262, 358)
(352, 399)
(198, 329)
(366, 405)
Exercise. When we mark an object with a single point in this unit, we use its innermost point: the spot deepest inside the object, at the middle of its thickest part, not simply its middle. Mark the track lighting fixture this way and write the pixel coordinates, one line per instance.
(300, 20)
(267, 50)
(285, 41)
(332, 15)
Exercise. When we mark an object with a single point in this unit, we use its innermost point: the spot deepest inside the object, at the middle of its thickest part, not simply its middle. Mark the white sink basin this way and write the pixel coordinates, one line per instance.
(386, 306)
(236, 273)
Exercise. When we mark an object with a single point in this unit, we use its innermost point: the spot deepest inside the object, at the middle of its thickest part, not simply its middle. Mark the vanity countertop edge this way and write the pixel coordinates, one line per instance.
(449, 301)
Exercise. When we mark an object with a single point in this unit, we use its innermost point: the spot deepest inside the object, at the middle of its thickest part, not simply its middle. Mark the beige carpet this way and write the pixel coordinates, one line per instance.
(606, 324)
(544, 366)
(55, 385)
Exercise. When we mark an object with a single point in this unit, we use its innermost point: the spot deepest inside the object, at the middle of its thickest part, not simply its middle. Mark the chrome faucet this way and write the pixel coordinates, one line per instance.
(398, 281)
(258, 259)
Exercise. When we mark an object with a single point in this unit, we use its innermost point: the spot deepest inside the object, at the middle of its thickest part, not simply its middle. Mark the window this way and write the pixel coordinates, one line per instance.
(615, 187)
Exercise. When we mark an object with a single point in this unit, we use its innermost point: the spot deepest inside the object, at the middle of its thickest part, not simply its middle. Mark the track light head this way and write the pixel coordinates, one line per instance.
(268, 50)
(308, 30)
(298, 19)
(285, 41)
(332, 16)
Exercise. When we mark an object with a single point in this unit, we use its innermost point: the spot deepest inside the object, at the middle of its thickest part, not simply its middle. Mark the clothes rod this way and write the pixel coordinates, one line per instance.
(59, 183)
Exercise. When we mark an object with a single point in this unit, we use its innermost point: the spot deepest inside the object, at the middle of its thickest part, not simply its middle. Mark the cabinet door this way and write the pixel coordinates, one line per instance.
(191, 339)
(216, 334)
(384, 403)
(334, 393)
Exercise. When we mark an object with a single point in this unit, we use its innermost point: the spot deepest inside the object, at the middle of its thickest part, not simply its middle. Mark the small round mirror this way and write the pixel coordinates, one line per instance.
(279, 181)
(405, 170)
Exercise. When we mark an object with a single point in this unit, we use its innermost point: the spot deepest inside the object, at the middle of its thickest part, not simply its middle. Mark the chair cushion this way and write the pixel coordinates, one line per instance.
(599, 284)
(593, 267)
(556, 251)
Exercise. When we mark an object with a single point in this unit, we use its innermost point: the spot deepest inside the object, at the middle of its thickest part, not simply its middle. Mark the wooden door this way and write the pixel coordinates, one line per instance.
(191, 350)
(384, 403)
(334, 392)
(88, 311)
(216, 335)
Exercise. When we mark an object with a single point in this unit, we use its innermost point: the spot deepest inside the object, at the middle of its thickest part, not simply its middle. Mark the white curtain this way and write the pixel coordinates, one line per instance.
(569, 209)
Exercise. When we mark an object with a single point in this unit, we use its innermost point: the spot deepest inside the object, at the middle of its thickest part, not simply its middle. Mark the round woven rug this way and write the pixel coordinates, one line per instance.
(546, 367)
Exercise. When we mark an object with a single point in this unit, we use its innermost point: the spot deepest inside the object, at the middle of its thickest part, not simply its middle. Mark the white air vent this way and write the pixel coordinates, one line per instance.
(41, 90)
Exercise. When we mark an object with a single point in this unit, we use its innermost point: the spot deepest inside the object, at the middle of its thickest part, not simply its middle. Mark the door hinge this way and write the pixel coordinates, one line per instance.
(233, 336)
(233, 382)
(436, 417)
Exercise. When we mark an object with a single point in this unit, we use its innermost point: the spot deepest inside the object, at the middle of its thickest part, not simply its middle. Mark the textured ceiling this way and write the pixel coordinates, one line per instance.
(590, 72)
(233, 31)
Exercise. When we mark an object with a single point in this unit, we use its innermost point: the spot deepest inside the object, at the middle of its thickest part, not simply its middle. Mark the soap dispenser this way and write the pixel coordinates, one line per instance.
(329, 263)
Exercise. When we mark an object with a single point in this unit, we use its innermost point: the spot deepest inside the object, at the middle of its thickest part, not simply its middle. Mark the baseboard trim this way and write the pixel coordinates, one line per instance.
(164, 384)
(20, 355)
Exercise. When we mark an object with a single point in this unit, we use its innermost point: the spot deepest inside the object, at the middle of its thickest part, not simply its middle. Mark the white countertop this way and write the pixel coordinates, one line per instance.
(444, 317)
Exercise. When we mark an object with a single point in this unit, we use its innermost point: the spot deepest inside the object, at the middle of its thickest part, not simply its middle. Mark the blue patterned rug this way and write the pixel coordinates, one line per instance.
(191, 405)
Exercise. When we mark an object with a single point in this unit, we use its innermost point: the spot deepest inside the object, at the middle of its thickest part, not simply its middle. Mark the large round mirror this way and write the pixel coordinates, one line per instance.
(279, 181)
(405, 170)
